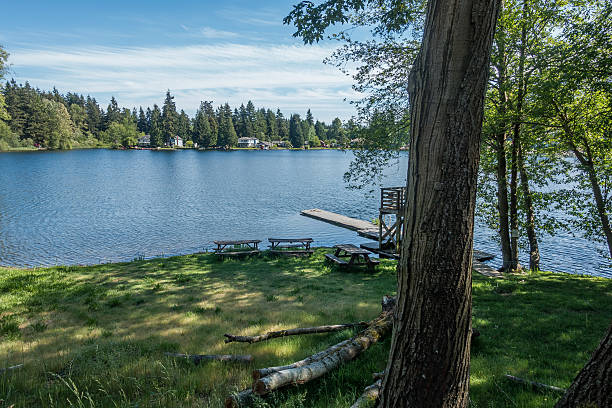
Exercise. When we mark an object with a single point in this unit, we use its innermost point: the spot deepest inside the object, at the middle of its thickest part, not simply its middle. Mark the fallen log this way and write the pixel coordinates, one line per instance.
(11, 368)
(332, 357)
(370, 395)
(292, 332)
(534, 384)
(197, 358)
(262, 372)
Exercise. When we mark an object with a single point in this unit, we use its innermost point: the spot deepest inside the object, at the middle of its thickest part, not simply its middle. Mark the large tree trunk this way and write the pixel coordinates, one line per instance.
(514, 264)
(592, 387)
(534, 250)
(429, 359)
(500, 151)
(502, 202)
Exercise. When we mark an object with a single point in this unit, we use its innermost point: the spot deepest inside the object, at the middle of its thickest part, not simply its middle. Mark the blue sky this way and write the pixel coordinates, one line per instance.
(229, 51)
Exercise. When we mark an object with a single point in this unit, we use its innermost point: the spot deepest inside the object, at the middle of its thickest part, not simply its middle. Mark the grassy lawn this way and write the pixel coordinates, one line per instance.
(96, 336)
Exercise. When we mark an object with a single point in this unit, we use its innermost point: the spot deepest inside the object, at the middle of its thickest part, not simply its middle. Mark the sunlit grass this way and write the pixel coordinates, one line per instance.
(96, 335)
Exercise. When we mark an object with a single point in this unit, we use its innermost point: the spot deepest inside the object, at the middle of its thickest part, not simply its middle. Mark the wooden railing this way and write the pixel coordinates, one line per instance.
(392, 198)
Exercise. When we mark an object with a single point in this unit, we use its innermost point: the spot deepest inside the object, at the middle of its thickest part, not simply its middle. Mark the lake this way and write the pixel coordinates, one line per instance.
(95, 206)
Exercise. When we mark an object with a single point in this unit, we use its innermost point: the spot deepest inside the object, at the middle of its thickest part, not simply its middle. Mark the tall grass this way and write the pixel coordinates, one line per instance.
(95, 336)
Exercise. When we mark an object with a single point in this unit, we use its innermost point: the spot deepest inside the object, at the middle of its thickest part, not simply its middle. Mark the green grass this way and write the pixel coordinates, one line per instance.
(96, 336)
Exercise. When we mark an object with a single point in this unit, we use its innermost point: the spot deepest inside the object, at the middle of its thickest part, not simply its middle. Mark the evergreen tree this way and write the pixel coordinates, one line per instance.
(212, 120)
(282, 126)
(113, 113)
(202, 132)
(184, 126)
(244, 126)
(261, 126)
(142, 123)
(156, 127)
(227, 132)
(169, 119)
(250, 111)
(271, 125)
(321, 130)
(296, 135)
(94, 116)
(309, 118)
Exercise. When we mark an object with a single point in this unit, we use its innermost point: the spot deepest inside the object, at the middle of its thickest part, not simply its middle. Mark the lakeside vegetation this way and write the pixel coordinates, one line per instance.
(32, 118)
(95, 335)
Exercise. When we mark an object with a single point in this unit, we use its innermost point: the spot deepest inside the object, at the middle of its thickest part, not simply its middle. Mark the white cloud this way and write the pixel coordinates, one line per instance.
(209, 32)
(291, 77)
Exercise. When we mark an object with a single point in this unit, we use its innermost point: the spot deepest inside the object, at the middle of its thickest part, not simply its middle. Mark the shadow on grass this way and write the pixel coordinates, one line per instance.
(103, 329)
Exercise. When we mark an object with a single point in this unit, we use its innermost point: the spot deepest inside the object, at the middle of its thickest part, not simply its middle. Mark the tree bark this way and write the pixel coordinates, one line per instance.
(370, 394)
(197, 358)
(534, 250)
(592, 387)
(291, 332)
(502, 202)
(514, 264)
(429, 359)
(500, 151)
(327, 360)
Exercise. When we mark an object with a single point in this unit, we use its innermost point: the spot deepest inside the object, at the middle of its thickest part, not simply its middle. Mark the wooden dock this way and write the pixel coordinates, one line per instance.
(486, 270)
(363, 228)
(370, 230)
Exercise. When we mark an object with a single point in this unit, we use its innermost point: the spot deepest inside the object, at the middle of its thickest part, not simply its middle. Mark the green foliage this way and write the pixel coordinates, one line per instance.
(296, 132)
(124, 133)
(203, 133)
(169, 119)
(227, 132)
(574, 102)
(3, 59)
(156, 127)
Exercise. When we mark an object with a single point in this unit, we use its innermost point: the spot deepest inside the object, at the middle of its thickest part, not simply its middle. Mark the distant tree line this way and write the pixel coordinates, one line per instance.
(30, 117)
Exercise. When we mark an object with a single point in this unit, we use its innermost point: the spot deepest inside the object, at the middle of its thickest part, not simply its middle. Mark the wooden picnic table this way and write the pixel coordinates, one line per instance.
(291, 246)
(242, 247)
(356, 256)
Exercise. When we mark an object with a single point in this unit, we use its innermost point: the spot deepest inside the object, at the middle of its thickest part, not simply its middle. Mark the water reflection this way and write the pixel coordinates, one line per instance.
(91, 206)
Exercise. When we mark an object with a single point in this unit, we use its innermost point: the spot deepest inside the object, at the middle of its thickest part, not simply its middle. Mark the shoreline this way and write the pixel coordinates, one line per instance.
(263, 253)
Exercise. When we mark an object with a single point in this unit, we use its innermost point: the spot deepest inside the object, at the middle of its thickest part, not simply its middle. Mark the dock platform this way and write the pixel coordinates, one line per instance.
(369, 230)
(363, 228)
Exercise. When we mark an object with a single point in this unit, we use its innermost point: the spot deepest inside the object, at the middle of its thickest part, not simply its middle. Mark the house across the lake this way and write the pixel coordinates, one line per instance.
(176, 141)
(263, 145)
(248, 142)
(280, 143)
(144, 141)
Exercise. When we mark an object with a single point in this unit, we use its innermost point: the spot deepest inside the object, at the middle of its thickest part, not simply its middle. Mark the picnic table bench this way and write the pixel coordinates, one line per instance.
(356, 256)
(290, 246)
(243, 247)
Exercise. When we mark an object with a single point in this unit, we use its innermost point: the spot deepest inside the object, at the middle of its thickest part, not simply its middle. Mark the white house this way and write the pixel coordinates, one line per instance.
(176, 141)
(248, 142)
(144, 141)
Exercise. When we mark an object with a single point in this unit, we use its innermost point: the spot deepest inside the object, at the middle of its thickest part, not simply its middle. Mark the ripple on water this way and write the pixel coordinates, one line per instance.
(91, 206)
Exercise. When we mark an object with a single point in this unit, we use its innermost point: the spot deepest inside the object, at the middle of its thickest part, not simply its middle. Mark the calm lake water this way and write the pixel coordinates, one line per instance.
(92, 206)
